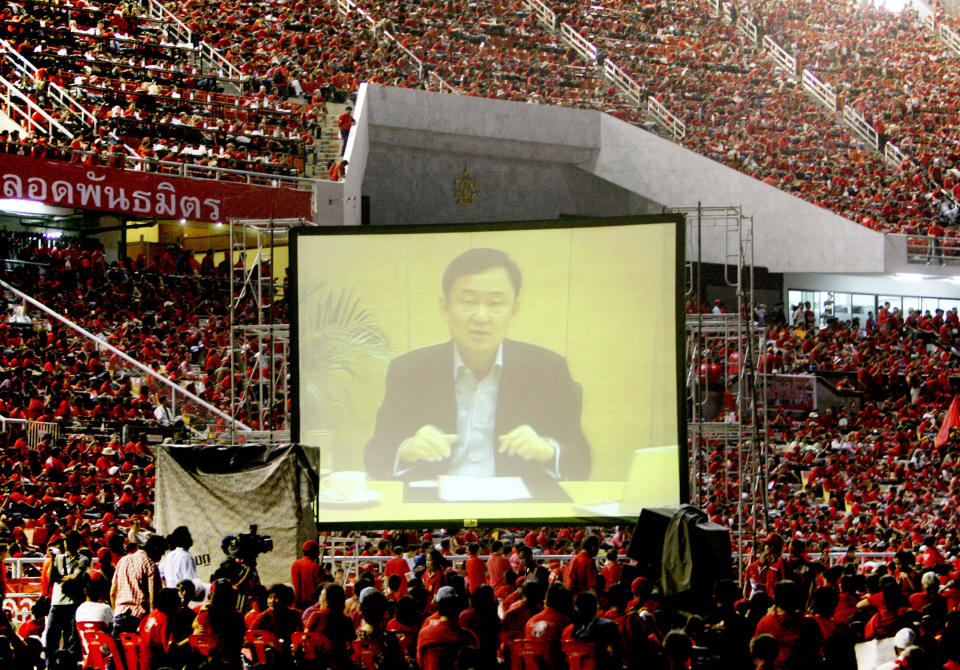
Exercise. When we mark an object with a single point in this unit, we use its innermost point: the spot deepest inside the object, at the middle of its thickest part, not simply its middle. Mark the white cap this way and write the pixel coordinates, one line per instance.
(904, 638)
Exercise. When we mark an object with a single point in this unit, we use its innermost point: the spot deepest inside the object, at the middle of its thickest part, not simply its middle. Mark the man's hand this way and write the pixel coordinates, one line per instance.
(427, 444)
(523, 442)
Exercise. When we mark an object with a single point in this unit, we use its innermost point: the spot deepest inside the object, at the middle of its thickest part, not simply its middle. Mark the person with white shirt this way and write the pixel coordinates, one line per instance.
(178, 563)
(96, 609)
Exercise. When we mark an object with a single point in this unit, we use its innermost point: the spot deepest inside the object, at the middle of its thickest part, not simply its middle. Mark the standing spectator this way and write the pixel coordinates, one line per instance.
(306, 575)
(397, 567)
(611, 569)
(136, 583)
(67, 575)
(178, 564)
(497, 565)
(582, 572)
(344, 122)
(476, 569)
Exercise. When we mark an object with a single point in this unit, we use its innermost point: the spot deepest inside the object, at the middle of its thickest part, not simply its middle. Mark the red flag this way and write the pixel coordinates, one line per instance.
(951, 420)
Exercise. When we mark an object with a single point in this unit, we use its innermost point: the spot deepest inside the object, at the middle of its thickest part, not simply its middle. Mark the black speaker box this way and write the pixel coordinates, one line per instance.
(709, 551)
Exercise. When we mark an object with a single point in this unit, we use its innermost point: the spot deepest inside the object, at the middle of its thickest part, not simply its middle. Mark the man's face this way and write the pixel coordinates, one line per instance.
(479, 308)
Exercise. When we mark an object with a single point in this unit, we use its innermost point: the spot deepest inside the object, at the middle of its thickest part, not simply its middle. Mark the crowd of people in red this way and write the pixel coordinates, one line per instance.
(739, 106)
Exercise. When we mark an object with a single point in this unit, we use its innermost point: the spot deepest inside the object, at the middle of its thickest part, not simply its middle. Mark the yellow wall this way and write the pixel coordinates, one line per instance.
(604, 297)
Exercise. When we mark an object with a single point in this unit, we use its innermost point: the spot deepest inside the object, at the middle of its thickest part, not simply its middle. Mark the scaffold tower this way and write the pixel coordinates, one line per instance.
(726, 397)
(259, 338)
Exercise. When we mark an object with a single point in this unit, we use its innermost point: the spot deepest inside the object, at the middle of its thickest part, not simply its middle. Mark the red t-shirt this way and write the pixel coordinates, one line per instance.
(439, 642)
(306, 576)
(476, 572)
(546, 628)
(581, 573)
(154, 638)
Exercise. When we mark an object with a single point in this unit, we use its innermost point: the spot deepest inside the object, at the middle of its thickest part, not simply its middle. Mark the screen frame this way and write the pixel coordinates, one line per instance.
(679, 221)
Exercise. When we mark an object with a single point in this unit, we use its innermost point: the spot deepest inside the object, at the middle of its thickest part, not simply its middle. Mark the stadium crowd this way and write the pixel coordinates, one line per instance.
(146, 90)
(871, 481)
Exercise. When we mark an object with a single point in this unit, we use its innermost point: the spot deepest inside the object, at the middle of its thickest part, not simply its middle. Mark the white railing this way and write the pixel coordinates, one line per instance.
(623, 82)
(749, 29)
(716, 6)
(177, 393)
(666, 119)
(925, 250)
(158, 10)
(442, 84)
(22, 111)
(220, 65)
(822, 93)
(781, 56)
(578, 43)
(64, 100)
(930, 21)
(861, 126)
(544, 14)
(893, 156)
(950, 38)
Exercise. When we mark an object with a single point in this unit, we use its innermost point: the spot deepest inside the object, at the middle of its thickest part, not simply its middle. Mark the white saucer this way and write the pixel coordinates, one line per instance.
(329, 498)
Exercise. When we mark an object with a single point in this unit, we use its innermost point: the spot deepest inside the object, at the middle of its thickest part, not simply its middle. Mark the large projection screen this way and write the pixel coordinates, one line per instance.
(490, 373)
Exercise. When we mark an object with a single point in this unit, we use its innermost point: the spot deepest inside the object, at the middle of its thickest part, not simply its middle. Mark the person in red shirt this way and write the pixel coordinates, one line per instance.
(475, 568)
(156, 633)
(482, 620)
(546, 627)
(306, 575)
(344, 123)
(497, 565)
(582, 572)
(441, 636)
(799, 639)
(279, 618)
(612, 569)
(397, 566)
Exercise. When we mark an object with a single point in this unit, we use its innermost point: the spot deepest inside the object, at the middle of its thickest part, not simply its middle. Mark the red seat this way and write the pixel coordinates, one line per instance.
(84, 627)
(99, 642)
(580, 655)
(131, 650)
(365, 653)
(204, 644)
(259, 640)
(531, 655)
(313, 645)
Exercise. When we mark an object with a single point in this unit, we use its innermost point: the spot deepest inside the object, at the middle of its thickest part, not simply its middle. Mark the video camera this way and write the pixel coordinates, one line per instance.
(250, 545)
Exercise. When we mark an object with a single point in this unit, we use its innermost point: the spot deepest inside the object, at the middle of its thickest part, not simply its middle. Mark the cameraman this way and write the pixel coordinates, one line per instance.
(68, 575)
(239, 567)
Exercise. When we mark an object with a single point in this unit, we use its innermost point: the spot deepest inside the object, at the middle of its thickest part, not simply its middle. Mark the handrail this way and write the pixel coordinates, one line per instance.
(949, 37)
(55, 92)
(100, 342)
(856, 121)
(781, 56)
(52, 124)
(666, 118)
(749, 28)
(224, 68)
(578, 43)
(158, 10)
(441, 83)
(544, 14)
(822, 92)
(624, 82)
(892, 155)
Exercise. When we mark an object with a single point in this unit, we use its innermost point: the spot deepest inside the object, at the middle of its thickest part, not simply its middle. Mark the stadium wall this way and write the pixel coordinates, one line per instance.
(536, 162)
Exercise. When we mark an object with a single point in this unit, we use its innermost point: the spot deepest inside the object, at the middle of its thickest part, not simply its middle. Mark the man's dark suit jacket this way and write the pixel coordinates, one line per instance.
(535, 389)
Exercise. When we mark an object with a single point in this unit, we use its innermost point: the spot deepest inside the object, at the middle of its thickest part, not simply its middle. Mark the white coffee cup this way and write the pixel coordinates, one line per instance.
(347, 484)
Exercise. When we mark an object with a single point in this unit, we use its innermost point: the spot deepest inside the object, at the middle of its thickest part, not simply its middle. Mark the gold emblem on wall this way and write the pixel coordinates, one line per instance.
(465, 188)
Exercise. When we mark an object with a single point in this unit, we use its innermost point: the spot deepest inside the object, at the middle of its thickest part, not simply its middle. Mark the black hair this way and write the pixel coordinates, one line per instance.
(475, 261)
(179, 537)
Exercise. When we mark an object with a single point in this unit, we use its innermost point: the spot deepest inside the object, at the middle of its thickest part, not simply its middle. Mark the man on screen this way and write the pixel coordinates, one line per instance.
(479, 404)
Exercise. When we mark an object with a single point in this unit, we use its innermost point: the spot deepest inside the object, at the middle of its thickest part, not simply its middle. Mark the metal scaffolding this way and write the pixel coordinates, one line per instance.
(726, 398)
(259, 340)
